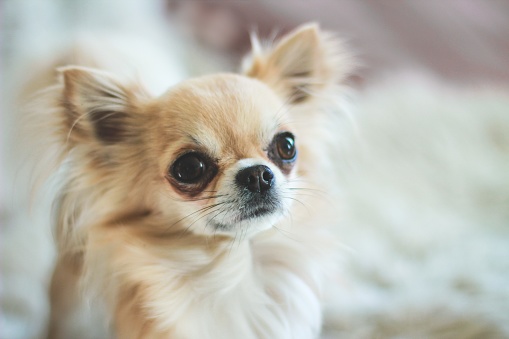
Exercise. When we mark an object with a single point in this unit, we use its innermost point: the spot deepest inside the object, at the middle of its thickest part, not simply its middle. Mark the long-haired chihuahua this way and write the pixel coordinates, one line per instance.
(197, 213)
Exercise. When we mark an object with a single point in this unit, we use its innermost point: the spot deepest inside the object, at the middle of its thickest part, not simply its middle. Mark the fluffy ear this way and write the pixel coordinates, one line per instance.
(97, 107)
(301, 64)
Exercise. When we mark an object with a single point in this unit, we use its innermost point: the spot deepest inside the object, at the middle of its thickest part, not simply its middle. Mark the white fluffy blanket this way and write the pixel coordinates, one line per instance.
(426, 214)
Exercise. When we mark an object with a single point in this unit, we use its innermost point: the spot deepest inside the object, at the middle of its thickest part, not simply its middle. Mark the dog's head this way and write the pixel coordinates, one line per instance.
(216, 154)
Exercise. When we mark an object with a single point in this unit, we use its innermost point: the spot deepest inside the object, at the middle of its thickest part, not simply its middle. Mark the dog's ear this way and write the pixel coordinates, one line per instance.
(301, 64)
(97, 107)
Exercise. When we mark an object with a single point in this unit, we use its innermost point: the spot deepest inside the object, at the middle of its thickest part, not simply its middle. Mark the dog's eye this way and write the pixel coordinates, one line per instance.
(285, 144)
(283, 152)
(189, 168)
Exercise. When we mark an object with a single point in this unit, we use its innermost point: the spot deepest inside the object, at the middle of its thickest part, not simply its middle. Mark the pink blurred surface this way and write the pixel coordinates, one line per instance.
(464, 41)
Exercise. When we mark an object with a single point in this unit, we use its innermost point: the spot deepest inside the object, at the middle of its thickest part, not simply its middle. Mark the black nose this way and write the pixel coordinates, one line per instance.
(257, 179)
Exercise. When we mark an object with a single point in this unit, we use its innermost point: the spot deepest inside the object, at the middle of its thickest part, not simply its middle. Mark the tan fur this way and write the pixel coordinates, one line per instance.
(140, 244)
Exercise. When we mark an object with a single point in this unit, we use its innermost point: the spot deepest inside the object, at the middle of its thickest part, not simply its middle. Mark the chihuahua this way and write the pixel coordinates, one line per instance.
(197, 213)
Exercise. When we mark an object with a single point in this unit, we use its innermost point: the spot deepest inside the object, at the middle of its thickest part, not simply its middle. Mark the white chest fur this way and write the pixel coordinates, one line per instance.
(264, 288)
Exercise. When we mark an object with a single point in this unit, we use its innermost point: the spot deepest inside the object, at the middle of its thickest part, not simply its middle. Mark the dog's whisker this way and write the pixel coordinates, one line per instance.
(222, 210)
(219, 207)
(233, 243)
(296, 200)
(243, 231)
(309, 191)
(168, 195)
(205, 198)
(287, 234)
(198, 219)
(310, 194)
(203, 209)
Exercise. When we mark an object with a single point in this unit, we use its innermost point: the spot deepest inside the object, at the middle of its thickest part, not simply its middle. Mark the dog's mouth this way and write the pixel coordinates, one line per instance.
(256, 212)
(248, 210)
(246, 215)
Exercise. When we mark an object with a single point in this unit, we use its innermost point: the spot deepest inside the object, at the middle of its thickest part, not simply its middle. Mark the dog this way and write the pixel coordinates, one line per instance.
(199, 213)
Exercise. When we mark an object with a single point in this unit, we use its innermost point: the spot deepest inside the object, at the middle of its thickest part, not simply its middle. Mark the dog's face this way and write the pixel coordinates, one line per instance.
(215, 154)
(228, 152)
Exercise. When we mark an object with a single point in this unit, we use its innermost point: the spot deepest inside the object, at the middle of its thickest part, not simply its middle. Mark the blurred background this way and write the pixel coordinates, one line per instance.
(459, 40)
(425, 166)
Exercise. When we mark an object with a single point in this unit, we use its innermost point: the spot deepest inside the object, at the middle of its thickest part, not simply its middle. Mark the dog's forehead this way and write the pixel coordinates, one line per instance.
(223, 111)
(225, 97)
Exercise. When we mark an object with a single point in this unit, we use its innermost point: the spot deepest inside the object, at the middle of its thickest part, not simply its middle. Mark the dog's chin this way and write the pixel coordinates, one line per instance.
(248, 223)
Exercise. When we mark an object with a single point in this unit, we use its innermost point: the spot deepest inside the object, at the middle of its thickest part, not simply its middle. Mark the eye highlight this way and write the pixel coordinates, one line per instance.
(189, 168)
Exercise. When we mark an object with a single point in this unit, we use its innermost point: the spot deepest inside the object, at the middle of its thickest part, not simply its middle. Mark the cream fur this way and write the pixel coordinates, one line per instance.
(130, 241)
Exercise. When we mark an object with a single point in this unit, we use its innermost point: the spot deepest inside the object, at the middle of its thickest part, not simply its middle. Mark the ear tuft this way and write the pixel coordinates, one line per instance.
(96, 106)
(302, 64)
